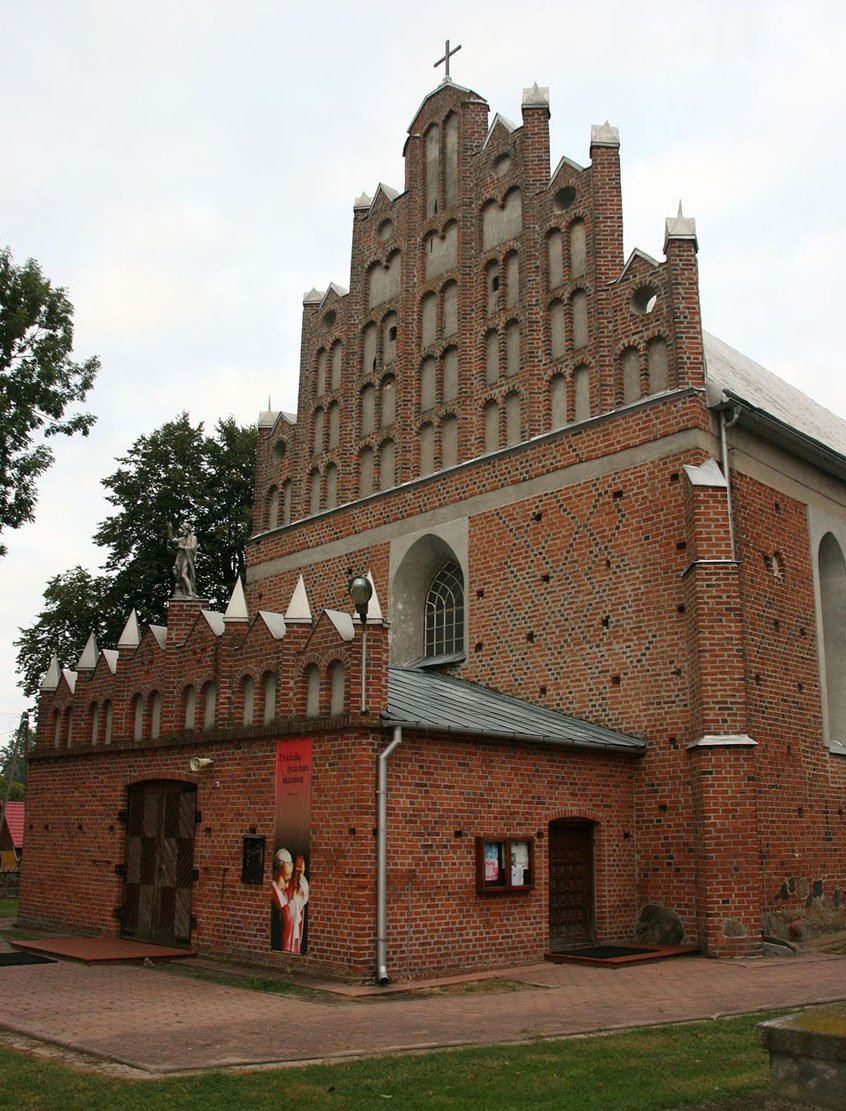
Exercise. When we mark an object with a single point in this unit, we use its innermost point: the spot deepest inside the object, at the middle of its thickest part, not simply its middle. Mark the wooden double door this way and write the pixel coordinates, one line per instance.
(160, 825)
(571, 890)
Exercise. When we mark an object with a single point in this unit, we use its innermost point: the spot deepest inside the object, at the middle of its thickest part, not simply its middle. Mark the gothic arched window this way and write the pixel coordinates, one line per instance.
(832, 578)
(445, 612)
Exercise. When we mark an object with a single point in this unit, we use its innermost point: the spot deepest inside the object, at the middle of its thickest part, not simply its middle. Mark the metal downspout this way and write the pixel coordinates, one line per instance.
(382, 976)
(724, 425)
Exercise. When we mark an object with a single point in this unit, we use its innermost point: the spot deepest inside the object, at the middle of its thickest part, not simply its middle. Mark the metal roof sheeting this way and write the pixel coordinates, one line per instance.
(742, 378)
(429, 700)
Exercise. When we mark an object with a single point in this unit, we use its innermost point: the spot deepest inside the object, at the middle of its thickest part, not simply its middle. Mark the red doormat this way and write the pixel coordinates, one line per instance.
(615, 956)
(93, 950)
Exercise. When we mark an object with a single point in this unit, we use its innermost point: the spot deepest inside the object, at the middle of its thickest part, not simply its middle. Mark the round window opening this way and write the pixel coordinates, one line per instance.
(502, 165)
(564, 198)
(329, 319)
(279, 449)
(385, 230)
(644, 300)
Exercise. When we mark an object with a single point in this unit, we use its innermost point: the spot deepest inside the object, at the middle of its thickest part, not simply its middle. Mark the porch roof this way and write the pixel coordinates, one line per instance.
(430, 700)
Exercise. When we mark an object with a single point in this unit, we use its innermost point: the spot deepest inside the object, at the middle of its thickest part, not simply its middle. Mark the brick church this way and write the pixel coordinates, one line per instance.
(598, 689)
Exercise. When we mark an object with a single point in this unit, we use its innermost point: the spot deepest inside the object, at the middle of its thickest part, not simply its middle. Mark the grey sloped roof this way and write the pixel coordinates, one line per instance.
(440, 702)
(736, 376)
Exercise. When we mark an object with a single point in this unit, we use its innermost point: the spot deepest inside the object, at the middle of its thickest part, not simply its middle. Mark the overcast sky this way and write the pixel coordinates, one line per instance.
(188, 169)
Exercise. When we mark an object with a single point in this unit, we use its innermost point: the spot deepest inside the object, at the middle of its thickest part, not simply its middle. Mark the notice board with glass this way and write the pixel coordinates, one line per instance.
(504, 864)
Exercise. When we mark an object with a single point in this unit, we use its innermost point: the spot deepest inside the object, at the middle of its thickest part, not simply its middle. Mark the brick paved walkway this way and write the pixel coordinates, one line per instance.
(161, 1023)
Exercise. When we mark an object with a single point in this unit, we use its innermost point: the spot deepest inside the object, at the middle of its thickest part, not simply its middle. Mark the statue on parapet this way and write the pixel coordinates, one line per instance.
(185, 564)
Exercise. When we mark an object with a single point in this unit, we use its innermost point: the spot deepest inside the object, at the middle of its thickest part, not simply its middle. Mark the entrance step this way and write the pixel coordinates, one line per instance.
(615, 956)
(93, 950)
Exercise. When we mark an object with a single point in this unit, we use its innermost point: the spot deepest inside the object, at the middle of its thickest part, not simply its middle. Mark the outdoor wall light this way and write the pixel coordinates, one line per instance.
(199, 763)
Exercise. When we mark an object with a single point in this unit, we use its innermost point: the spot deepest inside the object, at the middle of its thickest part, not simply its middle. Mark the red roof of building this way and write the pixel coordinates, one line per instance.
(14, 821)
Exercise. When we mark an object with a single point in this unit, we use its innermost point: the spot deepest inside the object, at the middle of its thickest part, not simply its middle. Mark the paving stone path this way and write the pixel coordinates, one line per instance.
(159, 1022)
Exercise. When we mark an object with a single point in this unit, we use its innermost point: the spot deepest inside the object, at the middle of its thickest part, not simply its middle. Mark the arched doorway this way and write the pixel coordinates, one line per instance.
(160, 824)
(571, 893)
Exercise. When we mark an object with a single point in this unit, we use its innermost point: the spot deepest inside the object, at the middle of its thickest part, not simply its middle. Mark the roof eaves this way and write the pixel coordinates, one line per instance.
(784, 435)
(634, 747)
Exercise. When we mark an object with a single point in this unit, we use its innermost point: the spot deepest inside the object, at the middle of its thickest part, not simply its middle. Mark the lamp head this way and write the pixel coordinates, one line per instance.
(360, 589)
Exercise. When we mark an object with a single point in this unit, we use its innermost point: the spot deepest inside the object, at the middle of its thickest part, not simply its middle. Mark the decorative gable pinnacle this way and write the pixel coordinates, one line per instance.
(90, 654)
(680, 227)
(536, 96)
(131, 635)
(52, 676)
(299, 610)
(313, 296)
(604, 135)
(362, 201)
(237, 608)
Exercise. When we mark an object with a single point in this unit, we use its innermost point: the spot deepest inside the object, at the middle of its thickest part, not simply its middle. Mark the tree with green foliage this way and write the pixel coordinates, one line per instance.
(76, 603)
(13, 762)
(178, 473)
(38, 382)
(174, 474)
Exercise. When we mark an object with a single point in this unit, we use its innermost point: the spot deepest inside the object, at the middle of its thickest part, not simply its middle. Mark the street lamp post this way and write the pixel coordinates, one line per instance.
(360, 589)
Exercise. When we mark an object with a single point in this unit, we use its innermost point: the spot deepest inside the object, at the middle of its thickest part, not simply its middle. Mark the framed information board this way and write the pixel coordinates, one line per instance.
(504, 864)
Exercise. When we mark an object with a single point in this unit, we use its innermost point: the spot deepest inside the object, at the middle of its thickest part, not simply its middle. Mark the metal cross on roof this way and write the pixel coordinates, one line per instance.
(447, 55)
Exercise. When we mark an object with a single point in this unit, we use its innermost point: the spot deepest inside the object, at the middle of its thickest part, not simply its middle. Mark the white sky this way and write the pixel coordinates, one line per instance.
(187, 170)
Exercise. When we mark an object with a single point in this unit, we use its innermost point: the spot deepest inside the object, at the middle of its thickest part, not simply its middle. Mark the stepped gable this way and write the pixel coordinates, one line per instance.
(488, 303)
(616, 689)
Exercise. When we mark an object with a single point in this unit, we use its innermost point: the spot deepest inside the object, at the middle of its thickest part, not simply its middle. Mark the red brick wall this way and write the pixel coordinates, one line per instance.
(444, 794)
(613, 324)
(435, 788)
(72, 852)
(614, 599)
(802, 790)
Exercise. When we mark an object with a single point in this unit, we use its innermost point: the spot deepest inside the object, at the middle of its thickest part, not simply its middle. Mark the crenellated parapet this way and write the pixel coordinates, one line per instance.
(207, 671)
(488, 303)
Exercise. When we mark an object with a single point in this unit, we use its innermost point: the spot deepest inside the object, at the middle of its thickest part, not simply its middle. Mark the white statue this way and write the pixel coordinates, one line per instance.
(185, 565)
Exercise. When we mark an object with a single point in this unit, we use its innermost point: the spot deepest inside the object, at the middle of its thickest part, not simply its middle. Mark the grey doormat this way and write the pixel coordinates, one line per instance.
(24, 958)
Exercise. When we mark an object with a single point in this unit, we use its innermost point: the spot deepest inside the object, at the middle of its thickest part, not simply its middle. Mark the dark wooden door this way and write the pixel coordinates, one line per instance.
(570, 883)
(159, 862)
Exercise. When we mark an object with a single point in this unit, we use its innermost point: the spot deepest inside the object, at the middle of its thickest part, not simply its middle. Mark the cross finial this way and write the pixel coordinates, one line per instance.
(445, 60)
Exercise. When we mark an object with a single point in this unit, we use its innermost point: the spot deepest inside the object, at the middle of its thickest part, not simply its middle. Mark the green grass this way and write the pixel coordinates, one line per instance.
(650, 1069)
(253, 983)
(8, 908)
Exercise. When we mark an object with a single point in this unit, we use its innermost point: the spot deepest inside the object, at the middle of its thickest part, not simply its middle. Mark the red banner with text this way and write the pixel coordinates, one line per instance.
(292, 843)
